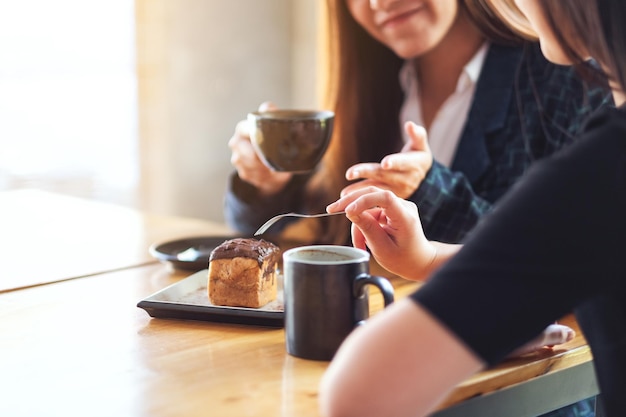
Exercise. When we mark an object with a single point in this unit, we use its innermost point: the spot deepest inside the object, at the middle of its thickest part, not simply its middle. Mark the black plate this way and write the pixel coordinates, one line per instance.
(188, 299)
(191, 253)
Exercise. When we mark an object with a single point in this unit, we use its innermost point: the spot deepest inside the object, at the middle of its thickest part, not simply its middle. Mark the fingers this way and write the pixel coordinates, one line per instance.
(358, 239)
(554, 334)
(418, 138)
(369, 230)
(243, 154)
(367, 223)
(249, 165)
(385, 202)
(344, 201)
(406, 161)
(407, 172)
(267, 106)
(363, 170)
(242, 131)
(415, 153)
(397, 163)
(349, 189)
(390, 227)
(401, 172)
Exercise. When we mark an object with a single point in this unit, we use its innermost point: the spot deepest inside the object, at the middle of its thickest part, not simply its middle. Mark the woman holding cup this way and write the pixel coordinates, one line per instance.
(545, 242)
(489, 101)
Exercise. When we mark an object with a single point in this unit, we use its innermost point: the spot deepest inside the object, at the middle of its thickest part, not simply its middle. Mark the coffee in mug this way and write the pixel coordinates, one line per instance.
(291, 140)
(326, 297)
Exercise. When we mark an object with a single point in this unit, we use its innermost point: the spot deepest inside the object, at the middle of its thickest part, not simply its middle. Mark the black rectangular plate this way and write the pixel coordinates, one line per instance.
(188, 300)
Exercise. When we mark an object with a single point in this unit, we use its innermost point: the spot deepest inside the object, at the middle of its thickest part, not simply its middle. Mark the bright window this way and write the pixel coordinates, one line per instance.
(68, 100)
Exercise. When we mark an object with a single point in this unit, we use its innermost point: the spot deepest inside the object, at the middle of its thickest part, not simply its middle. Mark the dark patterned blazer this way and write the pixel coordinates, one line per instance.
(523, 109)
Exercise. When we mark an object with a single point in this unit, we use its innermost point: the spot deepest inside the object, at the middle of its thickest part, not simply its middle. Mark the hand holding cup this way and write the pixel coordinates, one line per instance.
(250, 168)
(291, 140)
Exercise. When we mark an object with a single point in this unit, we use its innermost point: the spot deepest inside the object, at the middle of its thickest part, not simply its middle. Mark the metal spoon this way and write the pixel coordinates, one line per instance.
(274, 219)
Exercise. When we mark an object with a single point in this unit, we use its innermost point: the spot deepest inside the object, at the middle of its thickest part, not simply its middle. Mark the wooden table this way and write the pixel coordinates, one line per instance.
(46, 237)
(82, 347)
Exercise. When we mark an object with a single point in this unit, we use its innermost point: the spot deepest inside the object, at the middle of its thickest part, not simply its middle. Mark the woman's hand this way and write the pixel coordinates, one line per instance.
(402, 173)
(554, 334)
(390, 227)
(249, 166)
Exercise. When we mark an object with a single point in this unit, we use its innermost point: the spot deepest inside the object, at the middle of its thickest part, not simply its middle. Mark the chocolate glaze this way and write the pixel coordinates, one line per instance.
(260, 249)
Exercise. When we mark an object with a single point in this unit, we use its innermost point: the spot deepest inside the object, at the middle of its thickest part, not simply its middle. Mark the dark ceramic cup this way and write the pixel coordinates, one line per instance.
(291, 140)
(326, 297)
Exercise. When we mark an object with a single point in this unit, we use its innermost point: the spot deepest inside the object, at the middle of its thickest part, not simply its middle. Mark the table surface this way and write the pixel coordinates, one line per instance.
(46, 237)
(82, 347)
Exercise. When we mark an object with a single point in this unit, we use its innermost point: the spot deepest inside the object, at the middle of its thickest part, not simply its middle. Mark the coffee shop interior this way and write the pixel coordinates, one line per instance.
(115, 117)
(134, 102)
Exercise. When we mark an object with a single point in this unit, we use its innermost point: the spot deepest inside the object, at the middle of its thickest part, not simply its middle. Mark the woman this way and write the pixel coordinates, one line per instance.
(560, 231)
(490, 102)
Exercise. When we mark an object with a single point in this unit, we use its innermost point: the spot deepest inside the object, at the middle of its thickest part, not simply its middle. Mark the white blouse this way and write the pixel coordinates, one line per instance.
(445, 130)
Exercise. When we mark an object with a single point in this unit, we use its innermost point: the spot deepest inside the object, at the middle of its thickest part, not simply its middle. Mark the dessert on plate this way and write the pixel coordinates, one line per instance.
(243, 273)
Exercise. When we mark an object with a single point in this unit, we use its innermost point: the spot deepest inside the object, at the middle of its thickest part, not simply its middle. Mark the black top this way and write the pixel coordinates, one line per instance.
(553, 245)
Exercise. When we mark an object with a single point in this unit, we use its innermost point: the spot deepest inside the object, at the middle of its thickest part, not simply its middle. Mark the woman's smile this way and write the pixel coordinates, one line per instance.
(409, 28)
(397, 18)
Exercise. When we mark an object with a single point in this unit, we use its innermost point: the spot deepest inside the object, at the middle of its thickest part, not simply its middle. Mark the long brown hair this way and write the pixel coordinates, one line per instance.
(604, 37)
(602, 22)
(363, 89)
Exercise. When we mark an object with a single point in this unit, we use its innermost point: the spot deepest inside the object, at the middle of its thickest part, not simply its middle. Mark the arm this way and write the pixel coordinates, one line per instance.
(401, 363)
(255, 192)
(546, 238)
(387, 241)
(442, 192)
(245, 208)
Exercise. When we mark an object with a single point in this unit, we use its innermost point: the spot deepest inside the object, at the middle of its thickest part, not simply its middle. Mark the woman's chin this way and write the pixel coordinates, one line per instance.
(555, 55)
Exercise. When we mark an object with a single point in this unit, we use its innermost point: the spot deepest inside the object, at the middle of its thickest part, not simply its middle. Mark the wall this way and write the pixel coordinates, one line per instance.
(202, 65)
